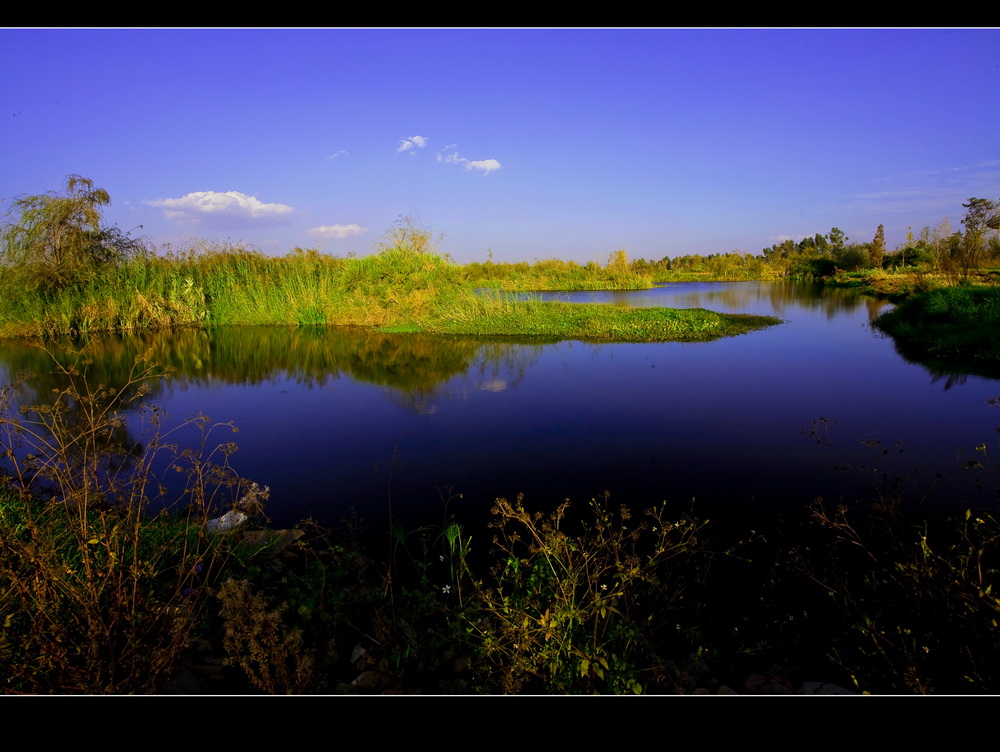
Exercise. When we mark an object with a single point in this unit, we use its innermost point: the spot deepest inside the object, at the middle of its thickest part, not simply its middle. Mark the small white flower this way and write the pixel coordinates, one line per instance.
(446, 589)
(441, 557)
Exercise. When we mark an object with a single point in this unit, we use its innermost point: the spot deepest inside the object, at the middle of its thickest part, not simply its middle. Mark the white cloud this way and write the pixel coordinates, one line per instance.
(338, 153)
(337, 232)
(218, 207)
(485, 165)
(414, 142)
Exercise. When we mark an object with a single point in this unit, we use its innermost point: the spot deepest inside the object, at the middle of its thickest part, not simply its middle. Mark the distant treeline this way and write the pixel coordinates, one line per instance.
(937, 249)
(956, 253)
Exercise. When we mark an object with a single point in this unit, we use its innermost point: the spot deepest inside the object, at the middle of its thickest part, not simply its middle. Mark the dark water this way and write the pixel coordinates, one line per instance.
(323, 413)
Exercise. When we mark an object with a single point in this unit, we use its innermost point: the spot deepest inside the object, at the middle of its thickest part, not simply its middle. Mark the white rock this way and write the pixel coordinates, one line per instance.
(226, 522)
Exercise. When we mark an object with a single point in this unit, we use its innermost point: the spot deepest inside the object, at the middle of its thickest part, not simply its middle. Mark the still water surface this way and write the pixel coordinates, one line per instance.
(321, 413)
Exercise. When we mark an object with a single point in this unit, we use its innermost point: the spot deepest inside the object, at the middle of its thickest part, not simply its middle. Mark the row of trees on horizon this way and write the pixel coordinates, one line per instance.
(939, 248)
(61, 239)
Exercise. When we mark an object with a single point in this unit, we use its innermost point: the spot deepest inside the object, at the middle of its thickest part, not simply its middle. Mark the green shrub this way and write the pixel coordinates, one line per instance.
(953, 324)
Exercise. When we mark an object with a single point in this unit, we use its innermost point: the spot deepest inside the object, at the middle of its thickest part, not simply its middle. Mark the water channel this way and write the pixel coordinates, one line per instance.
(335, 419)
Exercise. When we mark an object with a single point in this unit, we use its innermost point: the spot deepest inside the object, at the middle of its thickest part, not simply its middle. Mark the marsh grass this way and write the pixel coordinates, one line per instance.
(398, 289)
(555, 274)
(554, 320)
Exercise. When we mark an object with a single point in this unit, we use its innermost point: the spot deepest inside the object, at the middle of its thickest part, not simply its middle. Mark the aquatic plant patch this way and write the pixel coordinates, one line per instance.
(954, 324)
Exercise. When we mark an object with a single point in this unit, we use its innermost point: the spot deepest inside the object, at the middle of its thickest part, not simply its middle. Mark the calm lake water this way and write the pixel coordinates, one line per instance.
(322, 413)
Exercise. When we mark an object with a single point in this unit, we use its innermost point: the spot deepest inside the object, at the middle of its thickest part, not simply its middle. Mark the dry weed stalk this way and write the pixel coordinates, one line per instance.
(98, 595)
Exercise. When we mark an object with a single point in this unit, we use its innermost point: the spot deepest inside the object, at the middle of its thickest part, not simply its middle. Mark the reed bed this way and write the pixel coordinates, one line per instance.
(397, 289)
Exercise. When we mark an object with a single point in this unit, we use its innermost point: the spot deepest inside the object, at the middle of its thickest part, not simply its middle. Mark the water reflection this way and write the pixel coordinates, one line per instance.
(412, 365)
(323, 411)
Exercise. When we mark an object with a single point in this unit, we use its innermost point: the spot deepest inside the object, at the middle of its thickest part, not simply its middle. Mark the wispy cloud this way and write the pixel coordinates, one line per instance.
(937, 192)
(337, 232)
(411, 143)
(486, 166)
(230, 207)
(968, 168)
(338, 153)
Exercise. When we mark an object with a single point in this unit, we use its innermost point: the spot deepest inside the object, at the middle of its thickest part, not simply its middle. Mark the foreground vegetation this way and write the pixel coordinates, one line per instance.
(106, 586)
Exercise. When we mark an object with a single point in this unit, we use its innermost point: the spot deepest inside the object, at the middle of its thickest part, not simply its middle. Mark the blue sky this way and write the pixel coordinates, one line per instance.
(530, 143)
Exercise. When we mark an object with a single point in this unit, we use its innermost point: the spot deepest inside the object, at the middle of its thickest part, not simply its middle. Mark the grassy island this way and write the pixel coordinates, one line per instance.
(397, 289)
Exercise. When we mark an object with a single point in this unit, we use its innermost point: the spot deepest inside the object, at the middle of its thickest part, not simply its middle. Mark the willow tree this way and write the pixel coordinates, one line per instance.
(58, 239)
